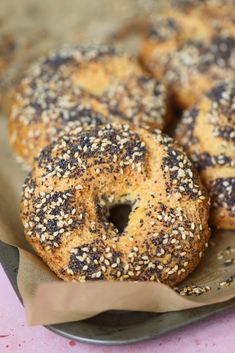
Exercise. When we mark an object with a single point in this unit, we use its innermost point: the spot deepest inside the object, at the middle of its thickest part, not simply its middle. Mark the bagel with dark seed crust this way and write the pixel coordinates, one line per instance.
(192, 67)
(207, 132)
(80, 86)
(191, 46)
(77, 179)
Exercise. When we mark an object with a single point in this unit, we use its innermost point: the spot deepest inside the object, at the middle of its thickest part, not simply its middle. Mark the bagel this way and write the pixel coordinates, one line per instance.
(77, 179)
(216, 16)
(74, 83)
(191, 46)
(191, 67)
(207, 132)
(171, 27)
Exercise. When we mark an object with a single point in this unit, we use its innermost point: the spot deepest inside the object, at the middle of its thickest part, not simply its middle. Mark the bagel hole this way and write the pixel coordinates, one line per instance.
(119, 216)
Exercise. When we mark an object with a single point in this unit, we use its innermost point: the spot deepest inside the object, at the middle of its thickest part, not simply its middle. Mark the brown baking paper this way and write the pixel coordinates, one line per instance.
(48, 300)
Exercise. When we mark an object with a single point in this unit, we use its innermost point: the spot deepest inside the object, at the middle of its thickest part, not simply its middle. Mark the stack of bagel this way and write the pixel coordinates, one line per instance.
(90, 123)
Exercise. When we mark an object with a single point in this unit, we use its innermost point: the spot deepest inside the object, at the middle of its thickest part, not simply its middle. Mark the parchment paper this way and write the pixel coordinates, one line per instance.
(48, 300)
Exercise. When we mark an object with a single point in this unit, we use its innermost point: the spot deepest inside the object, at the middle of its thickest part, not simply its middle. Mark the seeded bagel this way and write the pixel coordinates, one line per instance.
(76, 181)
(207, 132)
(81, 85)
(191, 46)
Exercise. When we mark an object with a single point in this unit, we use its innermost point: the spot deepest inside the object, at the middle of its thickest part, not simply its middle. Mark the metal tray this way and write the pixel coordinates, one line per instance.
(117, 327)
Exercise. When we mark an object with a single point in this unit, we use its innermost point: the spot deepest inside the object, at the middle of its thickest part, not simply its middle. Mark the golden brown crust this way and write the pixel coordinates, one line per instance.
(74, 182)
(207, 131)
(191, 48)
(82, 85)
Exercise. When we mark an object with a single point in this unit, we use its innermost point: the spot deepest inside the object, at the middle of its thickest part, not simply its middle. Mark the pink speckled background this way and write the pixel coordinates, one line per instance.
(215, 335)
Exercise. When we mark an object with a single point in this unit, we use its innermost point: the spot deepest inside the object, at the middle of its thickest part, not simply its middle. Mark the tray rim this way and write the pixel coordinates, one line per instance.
(142, 339)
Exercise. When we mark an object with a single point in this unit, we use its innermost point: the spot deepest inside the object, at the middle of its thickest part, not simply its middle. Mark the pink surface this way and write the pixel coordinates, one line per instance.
(214, 335)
